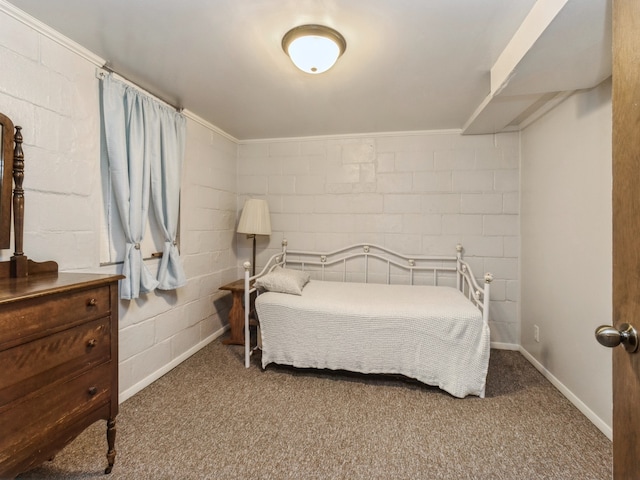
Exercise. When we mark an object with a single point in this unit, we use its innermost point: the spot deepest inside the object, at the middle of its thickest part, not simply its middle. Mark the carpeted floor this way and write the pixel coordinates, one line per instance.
(210, 418)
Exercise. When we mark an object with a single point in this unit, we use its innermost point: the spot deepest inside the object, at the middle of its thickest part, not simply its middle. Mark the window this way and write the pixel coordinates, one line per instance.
(112, 237)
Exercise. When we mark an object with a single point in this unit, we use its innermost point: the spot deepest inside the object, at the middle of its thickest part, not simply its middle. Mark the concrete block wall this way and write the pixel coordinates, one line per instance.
(163, 328)
(52, 92)
(414, 193)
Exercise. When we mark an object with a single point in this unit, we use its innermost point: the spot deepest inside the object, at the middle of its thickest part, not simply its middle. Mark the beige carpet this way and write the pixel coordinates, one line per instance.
(211, 418)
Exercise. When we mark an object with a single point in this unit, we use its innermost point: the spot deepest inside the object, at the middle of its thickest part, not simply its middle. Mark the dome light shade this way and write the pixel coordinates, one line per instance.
(313, 48)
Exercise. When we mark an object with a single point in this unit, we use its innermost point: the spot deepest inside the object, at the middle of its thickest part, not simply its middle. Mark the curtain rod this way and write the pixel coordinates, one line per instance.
(106, 68)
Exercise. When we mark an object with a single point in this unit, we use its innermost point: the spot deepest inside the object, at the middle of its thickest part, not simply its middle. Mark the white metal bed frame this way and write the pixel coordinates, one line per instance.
(320, 262)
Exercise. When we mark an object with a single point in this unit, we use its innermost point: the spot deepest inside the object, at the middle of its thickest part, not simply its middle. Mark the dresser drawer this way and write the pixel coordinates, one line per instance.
(33, 365)
(36, 317)
(32, 420)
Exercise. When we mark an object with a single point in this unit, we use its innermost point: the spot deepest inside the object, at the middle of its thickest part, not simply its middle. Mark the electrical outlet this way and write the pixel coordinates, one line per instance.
(536, 333)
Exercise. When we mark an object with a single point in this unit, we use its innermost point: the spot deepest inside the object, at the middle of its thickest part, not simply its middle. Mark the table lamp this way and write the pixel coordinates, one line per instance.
(255, 221)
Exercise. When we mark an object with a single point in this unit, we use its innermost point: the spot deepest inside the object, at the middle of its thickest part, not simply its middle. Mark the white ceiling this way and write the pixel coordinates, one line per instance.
(409, 64)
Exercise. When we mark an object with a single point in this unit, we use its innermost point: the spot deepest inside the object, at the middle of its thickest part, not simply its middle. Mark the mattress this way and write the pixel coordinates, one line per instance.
(432, 334)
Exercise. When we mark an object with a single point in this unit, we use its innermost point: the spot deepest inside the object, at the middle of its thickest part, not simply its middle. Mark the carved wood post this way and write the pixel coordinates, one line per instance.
(19, 263)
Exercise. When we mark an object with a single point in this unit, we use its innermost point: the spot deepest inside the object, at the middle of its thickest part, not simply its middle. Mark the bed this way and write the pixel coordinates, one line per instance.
(367, 309)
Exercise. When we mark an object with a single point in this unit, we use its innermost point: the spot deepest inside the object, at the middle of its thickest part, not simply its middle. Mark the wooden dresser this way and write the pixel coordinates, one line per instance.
(58, 364)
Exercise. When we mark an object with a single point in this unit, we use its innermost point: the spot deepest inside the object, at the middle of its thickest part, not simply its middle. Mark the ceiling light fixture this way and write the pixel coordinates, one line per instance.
(313, 48)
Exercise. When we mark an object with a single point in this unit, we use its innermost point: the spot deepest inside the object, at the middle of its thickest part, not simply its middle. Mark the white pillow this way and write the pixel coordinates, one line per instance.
(283, 280)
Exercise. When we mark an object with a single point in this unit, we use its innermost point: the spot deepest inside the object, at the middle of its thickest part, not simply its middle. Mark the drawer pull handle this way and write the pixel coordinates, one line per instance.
(92, 343)
(92, 391)
(92, 302)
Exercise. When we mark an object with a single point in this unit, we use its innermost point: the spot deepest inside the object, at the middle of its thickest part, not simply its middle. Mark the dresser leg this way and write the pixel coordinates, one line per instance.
(111, 441)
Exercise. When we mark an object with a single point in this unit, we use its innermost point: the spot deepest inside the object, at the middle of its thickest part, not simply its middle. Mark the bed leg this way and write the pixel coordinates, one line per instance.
(459, 284)
(488, 278)
(259, 337)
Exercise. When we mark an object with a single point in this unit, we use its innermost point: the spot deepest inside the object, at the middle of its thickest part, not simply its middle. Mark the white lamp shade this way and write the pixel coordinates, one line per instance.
(255, 218)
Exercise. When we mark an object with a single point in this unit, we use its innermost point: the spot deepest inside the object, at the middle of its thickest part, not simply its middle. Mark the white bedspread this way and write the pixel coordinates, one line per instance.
(432, 334)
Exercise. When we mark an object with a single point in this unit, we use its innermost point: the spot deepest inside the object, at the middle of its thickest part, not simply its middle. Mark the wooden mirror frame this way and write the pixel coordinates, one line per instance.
(12, 200)
(6, 180)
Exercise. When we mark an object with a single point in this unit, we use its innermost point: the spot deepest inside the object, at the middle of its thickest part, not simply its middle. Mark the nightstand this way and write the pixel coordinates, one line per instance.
(236, 314)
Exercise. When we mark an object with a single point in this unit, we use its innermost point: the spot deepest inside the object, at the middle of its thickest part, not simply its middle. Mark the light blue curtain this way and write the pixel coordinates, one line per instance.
(166, 168)
(145, 144)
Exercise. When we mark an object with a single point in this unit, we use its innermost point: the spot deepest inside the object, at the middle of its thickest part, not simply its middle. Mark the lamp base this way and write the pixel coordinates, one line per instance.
(253, 262)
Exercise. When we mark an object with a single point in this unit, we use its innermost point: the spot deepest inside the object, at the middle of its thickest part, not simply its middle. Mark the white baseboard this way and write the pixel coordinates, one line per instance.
(505, 346)
(145, 382)
(586, 411)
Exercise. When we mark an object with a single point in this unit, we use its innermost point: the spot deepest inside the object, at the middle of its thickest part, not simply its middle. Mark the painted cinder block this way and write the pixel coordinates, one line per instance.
(18, 38)
(481, 203)
(432, 182)
(462, 224)
(402, 203)
(134, 338)
(473, 181)
(149, 361)
(414, 161)
(505, 225)
(458, 159)
(394, 182)
(507, 181)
